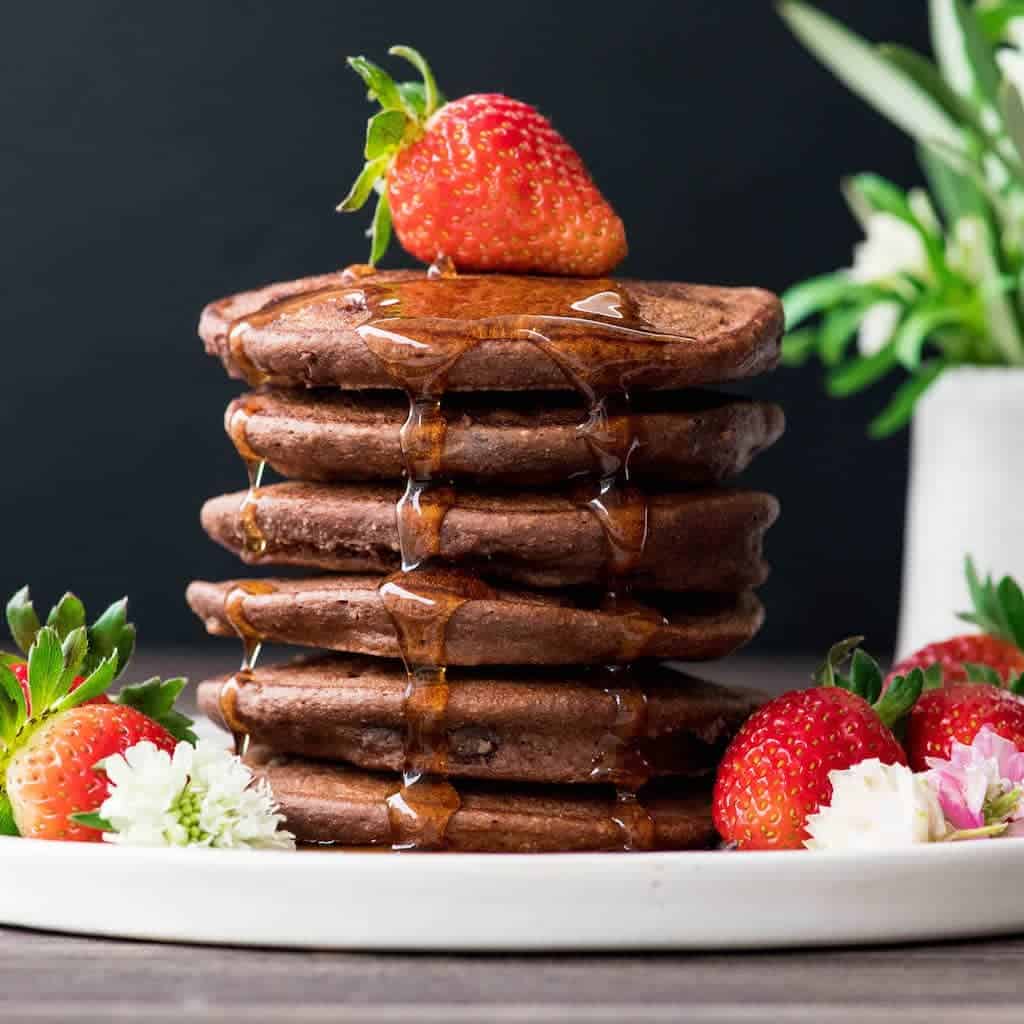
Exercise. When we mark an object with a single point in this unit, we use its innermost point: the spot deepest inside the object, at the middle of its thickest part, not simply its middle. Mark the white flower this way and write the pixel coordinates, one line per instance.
(876, 806)
(1011, 58)
(891, 246)
(200, 796)
(877, 327)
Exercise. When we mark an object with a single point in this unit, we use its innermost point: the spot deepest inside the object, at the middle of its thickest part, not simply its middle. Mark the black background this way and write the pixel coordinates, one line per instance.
(155, 156)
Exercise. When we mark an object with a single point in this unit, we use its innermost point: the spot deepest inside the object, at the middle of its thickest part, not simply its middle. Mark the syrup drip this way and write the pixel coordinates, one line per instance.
(593, 332)
(252, 643)
(253, 539)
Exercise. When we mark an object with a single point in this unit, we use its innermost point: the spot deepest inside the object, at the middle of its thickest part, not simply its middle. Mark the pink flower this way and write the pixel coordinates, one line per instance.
(981, 784)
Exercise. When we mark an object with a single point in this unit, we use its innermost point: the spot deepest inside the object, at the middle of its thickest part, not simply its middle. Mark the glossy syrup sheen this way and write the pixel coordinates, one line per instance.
(418, 330)
(252, 642)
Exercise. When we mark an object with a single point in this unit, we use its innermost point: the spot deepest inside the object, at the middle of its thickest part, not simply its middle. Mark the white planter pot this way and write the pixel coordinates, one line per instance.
(965, 496)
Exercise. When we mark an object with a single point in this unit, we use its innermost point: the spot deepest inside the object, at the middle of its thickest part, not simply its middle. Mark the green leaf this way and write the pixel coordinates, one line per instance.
(22, 619)
(155, 699)
(1013, 115)
(956, 193)
(925, 73)
(866, 676)
(6, 658)
(1000, 315)
(964, 54)
(933, 677)
(900, 697)
(827, 674)
(431, 94)
(363, 185)
(838, 330)
(75, 648)
(798, 345)
(379, 83)
(898, 412)
(125, 648)
(12, 690)
(861, 373)
(891, 91)
(45, 667)
(380, 231)
(916, 329)
(67, 614)
(1011, 600)
(92, 819)
(982, 674)
(994, 17)
(818, 293)
(95, 684)
(384, 133)
(105, 634)
(7, 825)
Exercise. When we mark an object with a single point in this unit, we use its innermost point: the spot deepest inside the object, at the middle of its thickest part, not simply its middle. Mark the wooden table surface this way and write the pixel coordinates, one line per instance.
(56, 978)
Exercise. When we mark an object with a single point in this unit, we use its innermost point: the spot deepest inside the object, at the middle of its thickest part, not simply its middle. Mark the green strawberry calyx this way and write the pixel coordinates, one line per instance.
(405, 109)
(67, 663)
(998, 607)
(865, 679)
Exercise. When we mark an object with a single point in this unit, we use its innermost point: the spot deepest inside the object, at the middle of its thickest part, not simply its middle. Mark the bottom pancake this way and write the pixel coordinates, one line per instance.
(340, 805)
(557, 726)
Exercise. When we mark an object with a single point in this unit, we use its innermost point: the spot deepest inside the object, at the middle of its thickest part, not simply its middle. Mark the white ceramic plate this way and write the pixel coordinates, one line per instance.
(479, 902)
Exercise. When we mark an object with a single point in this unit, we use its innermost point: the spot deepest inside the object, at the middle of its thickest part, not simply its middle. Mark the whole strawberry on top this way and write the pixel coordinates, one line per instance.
(999, 612)
(57, 724)
(775, 772)
(484, 181)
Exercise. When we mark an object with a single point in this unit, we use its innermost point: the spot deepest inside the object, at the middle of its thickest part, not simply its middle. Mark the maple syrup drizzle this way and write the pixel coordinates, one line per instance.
(253, 539)
(599, 341)
(252, 643)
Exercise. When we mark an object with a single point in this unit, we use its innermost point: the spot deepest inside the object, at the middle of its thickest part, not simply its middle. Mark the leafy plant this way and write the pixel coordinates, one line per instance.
(939, 279)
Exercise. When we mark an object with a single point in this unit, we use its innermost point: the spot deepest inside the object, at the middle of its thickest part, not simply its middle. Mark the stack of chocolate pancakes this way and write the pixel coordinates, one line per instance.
(504, 506)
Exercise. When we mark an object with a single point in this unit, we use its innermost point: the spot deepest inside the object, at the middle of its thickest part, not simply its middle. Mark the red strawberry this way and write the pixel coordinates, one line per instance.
(53, 775)
(49, 739)
(956, 712)
(775, 772)
(484, 181)
(999, 611)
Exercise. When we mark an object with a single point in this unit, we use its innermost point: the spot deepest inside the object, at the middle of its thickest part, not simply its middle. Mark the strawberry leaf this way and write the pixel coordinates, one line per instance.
(827, 675)
(8, 659)
(155, 698)
(866, 676)
(900, 697)
(380, 232)
(95, 684)
(7, 826)
(997, 609)
(380, 84)
(66, 615)
(92, 819)
(933, 677)
(22, 619)
(45, 667)
(109, 633)
(14, 695)
(363, 185)
(982, 674)
(75, 648)
(384, 133)
(431, 94)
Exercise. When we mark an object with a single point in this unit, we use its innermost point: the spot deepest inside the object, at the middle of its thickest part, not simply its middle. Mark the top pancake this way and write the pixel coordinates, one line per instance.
(729, 333)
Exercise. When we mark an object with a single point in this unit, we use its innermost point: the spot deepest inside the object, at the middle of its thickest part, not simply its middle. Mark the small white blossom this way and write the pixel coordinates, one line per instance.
(200, 796)
(890, 246)
(876, 806)
(877, 327)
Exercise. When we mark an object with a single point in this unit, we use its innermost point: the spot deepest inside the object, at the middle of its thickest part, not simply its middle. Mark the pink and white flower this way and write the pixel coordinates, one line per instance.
(981, 785)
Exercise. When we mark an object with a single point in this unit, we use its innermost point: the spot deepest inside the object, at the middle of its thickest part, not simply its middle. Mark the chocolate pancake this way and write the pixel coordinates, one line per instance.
(689, 438)
(514, 725)
(511, 333)
(702, 540)
(488, 626)
(335, 804)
